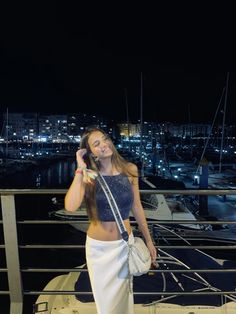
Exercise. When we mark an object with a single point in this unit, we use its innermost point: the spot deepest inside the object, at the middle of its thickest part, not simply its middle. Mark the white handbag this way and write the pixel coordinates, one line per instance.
(139, 258)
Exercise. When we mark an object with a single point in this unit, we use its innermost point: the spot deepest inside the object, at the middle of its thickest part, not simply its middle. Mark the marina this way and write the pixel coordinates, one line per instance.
(162, 88)
(189, 218)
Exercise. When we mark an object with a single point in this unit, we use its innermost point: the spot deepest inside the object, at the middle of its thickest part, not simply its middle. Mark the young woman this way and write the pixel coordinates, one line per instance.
(106, 251)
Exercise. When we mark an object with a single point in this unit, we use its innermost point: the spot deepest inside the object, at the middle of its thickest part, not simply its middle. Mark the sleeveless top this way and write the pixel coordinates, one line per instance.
(122, 192)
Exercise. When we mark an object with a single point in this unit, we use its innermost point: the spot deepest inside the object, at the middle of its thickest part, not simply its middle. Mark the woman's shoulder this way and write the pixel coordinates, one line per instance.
(132, 170)
(132, 167)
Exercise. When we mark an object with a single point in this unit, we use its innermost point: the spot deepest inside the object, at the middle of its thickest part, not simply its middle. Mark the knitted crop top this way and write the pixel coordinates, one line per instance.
(121, 190)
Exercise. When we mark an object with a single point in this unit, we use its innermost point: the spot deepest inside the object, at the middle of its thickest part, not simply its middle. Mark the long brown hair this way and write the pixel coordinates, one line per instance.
(121, 165)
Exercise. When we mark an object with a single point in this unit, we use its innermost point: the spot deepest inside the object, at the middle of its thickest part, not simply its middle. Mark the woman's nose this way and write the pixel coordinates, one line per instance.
(104, 144)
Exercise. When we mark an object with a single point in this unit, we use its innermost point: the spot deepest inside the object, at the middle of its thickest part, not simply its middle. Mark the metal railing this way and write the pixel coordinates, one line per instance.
(11, 246)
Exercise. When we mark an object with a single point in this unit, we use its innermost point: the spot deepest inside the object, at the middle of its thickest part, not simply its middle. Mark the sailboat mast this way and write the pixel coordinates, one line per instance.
(127, 116)
(141, 124)
(223, 123)
(190, 131)
(7, 134)
(212, 125)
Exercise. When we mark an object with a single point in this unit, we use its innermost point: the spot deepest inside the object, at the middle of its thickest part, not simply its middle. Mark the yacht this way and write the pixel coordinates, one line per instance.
(182, 284)
(156, 206)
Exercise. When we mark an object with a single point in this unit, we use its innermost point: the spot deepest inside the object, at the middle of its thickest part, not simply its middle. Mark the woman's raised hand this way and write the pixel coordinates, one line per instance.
(79, 158)
(88, 174)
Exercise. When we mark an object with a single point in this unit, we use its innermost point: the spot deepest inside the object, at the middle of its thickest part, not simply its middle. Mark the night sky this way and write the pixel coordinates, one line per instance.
(88, 60)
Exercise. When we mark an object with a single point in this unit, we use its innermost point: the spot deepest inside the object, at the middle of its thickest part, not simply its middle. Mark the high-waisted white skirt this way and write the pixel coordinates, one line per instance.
(109, 276)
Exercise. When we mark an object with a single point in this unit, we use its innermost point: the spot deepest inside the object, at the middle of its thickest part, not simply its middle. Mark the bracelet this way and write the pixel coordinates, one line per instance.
(90, 173)
(79, 167)
(79, 171)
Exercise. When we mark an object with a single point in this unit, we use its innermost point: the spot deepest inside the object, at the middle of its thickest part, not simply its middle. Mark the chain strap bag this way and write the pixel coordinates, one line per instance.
(139, 258)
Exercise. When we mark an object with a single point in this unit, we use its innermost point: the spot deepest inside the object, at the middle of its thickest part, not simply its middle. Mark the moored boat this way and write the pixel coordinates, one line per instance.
(177, 286)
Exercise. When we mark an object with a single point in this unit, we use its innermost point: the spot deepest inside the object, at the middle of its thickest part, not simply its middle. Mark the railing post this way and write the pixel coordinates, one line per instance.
(203, 184)
(12, 254)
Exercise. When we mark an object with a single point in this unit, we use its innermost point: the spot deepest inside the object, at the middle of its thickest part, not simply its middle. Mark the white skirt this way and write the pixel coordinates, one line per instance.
(109, 275)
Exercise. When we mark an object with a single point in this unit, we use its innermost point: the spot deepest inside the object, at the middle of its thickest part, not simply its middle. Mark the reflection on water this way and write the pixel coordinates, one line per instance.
(56, 175)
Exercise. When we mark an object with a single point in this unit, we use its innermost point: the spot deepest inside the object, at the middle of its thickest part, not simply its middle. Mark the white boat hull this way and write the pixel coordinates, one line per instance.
(68, 304)
(159, 209)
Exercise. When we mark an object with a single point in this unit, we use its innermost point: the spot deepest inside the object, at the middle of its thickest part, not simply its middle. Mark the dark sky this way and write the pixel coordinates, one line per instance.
(83, 60)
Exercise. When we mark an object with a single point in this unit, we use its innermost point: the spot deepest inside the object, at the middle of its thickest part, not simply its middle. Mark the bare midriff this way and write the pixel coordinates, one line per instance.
(106, 230)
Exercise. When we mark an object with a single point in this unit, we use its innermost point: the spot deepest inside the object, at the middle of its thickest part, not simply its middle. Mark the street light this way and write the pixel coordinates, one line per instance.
(196, 180)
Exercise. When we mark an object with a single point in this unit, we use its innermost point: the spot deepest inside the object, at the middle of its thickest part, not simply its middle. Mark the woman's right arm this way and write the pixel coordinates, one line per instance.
(75, 194)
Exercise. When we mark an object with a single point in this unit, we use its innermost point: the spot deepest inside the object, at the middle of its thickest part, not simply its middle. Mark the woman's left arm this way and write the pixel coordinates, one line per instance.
(139, 215)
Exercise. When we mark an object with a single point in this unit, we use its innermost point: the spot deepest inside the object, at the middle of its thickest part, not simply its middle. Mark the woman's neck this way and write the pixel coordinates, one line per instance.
(106, 167)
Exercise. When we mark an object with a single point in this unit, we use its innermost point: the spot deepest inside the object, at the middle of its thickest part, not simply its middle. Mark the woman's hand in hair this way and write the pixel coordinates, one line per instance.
(88, 174)
(79, 158)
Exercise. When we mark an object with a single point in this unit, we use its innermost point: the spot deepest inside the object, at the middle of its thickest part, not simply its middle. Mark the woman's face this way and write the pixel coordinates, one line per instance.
(100, 145)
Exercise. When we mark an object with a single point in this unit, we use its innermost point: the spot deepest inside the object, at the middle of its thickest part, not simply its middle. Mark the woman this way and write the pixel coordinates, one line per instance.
(106, 251)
